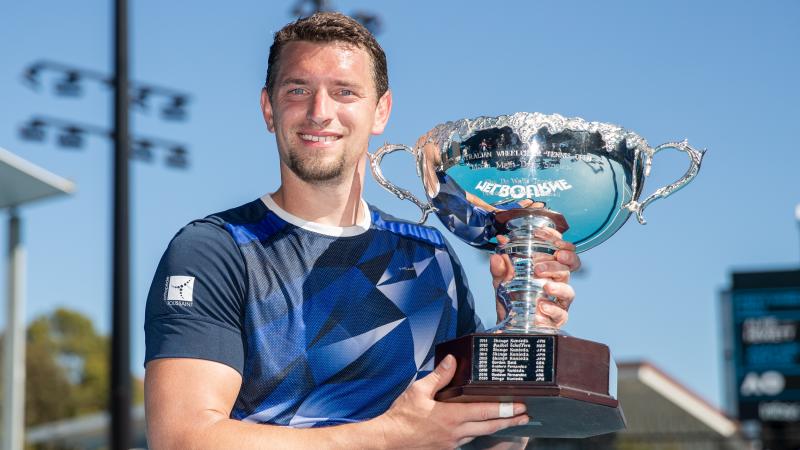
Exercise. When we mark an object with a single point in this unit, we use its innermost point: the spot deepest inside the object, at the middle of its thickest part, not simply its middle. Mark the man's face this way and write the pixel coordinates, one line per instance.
(323, 109)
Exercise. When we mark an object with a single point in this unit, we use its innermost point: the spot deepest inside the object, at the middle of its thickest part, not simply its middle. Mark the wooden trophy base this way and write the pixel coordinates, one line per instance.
(568, 384)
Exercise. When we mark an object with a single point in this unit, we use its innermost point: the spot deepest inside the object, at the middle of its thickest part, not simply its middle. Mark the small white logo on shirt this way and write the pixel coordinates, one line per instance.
(179, 290)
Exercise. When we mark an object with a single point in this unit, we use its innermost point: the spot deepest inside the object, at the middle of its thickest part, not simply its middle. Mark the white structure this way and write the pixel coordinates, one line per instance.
(21, 182)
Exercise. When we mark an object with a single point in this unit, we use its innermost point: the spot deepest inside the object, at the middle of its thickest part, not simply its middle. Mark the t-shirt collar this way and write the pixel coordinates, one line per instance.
(361, 226)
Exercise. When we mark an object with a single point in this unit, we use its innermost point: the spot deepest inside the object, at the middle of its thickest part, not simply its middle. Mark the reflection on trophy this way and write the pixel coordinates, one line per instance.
(516, 177)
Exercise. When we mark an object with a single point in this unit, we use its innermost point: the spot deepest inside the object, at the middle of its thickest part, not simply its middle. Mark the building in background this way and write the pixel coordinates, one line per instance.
(661, 414)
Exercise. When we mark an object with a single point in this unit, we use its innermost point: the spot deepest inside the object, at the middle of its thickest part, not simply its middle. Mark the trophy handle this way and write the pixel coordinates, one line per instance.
(403, 194)
(695, 159)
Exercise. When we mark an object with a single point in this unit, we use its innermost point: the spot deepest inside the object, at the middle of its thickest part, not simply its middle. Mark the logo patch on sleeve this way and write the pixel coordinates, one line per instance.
(178, 290)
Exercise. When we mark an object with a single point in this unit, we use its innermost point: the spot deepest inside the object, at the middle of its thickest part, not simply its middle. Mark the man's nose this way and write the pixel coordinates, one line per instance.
(320, 112)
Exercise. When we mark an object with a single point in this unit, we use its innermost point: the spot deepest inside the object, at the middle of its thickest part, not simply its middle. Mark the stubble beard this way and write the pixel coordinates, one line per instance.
(312, 170)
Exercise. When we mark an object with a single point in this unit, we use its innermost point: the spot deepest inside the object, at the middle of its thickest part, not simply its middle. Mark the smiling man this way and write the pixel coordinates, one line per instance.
(312, 316)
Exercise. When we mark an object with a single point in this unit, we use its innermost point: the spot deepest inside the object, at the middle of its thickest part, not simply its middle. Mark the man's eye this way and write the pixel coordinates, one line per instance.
(346, 92)
(297, 91)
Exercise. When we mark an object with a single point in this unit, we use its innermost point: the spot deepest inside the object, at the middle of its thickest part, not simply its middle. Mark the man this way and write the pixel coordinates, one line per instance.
(307, 318)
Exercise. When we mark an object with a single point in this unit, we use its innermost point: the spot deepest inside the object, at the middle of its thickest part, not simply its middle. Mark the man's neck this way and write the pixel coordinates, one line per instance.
(334, 203)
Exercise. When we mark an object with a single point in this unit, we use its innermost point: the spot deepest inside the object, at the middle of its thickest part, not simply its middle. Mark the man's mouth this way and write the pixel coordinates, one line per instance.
(314, 138)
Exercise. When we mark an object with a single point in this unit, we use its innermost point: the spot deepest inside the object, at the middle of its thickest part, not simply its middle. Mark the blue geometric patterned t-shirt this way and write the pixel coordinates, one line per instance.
(326, 325)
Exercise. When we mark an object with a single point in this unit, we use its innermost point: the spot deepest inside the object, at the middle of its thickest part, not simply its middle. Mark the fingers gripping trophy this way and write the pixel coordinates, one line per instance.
(504, 184)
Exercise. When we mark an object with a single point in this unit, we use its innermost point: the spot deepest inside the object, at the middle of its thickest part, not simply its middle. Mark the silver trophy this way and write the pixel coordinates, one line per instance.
(510, 176)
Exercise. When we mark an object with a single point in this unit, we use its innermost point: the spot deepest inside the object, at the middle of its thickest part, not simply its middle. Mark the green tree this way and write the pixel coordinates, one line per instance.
(83, 353)
(48, 393)
(67, 364)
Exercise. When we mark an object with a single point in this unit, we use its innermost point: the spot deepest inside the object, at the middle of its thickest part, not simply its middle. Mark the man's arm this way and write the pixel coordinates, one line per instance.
(188, 404)
(189, 401)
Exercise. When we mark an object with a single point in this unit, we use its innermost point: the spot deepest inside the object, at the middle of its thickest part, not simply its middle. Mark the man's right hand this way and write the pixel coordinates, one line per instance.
(416, 420)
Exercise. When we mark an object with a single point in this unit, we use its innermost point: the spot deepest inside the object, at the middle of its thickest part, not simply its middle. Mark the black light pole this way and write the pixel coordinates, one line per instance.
(71, 135)
(120, 335)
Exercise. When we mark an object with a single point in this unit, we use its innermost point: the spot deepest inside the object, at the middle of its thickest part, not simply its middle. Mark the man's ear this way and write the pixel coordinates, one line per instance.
(382, 111)
(266, 110)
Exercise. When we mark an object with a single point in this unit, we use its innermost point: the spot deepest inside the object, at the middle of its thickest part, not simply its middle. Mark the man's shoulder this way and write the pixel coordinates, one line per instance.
(406, 228)
(248, 213)
(225, 224)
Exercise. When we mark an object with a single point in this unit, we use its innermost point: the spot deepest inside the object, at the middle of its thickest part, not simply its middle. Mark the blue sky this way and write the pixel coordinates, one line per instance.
(721, 74)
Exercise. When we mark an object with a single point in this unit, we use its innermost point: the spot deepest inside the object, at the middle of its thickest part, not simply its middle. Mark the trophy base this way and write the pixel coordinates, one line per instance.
(568, 384)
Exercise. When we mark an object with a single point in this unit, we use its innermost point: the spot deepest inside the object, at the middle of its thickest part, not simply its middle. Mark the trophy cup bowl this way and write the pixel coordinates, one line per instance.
(513, 175)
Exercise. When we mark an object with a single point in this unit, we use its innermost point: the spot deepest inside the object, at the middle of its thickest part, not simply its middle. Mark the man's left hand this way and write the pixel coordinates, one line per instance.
(556, 268)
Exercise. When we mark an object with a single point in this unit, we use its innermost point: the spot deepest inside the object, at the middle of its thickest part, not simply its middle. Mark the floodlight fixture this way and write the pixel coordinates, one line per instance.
(176, 109)
(304, 8)
(70, 81)
(71, 137)
(142, 150)
(33, 131)
(139, 97)
(370, 21)
(31, 76)
(177, 159)
(70, 85)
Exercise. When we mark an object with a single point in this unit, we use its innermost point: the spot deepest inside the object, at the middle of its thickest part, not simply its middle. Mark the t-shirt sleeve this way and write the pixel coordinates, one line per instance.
(195, 305)
(468, 320)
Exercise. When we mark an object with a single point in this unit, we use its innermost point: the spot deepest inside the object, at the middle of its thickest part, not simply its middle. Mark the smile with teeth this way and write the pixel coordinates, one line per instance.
(312, 138)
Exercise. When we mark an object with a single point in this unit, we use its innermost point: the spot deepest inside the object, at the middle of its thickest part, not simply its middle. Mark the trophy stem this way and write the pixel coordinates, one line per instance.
(524, 290)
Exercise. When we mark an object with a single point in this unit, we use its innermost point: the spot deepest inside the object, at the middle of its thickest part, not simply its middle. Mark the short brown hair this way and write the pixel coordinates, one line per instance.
(329, 27)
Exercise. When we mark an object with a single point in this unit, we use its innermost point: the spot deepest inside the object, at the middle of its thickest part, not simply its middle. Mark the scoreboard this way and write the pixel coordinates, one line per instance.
(764, 320)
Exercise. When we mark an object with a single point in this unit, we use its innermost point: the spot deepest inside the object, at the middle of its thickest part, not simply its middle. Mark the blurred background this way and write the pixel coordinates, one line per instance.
(663, 296)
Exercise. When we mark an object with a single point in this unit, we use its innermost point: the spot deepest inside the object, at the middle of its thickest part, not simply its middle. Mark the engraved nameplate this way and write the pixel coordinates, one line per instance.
(513, 359)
